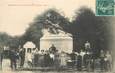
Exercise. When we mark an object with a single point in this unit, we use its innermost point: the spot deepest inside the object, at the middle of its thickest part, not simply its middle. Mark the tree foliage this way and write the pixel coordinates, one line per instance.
(88, 27)
(4, 39)
(51, 20)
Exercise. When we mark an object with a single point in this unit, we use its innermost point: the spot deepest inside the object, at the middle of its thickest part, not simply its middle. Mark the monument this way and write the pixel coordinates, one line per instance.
(62, 41)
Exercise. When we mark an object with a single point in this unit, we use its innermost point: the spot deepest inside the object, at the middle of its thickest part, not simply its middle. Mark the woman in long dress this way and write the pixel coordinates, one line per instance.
(108, 61)
(63, 59)
(6, 65)
(28, 60)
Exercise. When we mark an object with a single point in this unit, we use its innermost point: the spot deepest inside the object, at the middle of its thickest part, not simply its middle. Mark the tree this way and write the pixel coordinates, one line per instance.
(51, 20)
(14, 42)
(4, 40)
(88, 27)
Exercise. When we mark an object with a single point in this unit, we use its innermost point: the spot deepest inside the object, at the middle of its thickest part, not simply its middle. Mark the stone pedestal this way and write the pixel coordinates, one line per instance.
(61, 42)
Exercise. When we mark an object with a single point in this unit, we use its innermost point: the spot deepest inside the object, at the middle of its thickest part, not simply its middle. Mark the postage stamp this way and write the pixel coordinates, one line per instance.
(104, 7)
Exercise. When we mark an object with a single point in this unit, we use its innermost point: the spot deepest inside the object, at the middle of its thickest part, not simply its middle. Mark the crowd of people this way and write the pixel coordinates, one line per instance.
(53, 58)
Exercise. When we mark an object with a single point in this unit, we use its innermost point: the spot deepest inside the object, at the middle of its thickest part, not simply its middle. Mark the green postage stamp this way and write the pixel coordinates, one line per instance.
(105, 7)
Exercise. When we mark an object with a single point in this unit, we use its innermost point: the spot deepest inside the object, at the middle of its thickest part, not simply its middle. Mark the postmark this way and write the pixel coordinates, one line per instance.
(104, 7)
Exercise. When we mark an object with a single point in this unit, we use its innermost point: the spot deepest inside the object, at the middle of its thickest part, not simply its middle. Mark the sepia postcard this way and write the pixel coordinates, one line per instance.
(57, 36)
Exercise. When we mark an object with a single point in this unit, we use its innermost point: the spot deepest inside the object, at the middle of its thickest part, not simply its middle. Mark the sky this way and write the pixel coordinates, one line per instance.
(15, 15)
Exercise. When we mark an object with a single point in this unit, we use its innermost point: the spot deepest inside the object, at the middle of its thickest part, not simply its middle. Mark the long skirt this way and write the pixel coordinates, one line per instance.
(6, 64)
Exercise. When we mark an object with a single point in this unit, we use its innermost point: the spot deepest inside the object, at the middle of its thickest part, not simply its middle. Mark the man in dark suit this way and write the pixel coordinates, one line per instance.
(79, 62)
(22, 56)
(13, 57)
